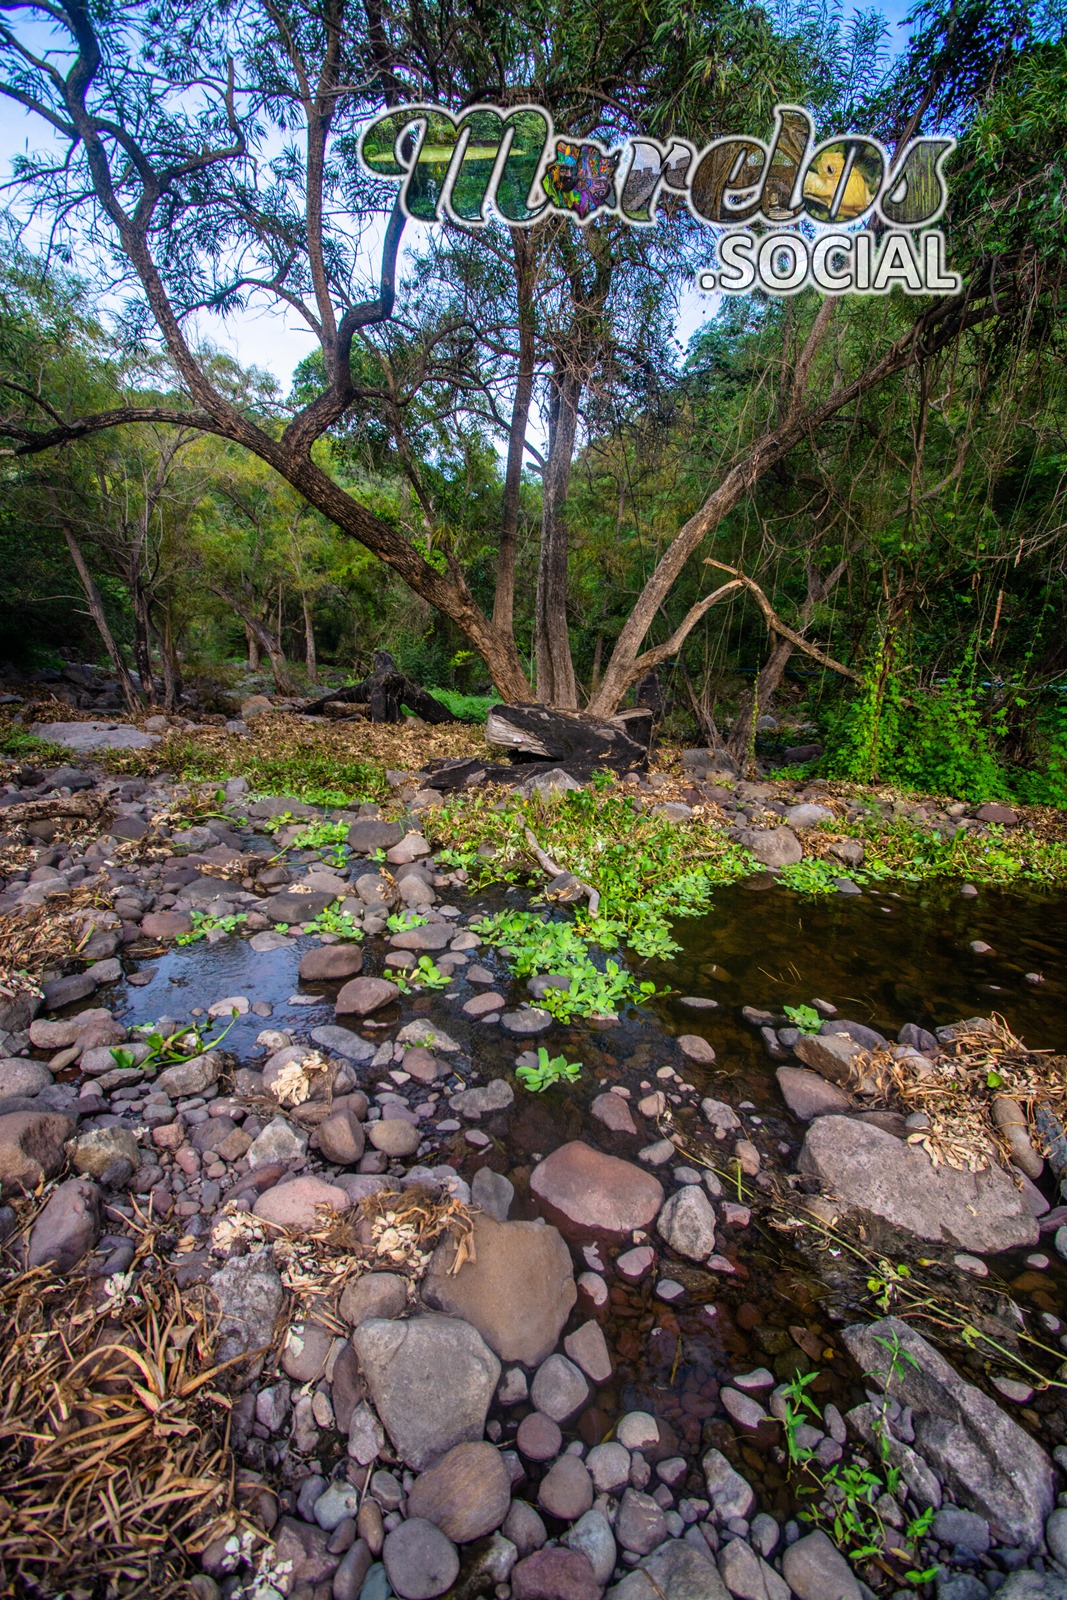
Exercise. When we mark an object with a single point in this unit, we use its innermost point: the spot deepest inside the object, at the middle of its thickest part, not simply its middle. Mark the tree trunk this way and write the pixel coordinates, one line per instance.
(269, 643)
(556, 683)
(96, 611)
(254, 654)
(742, 736)
(310, 655)
(168, 658)
(142, 648)
(507, 548)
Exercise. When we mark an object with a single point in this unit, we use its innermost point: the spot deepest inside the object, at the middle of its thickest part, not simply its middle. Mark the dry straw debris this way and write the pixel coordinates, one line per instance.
(115, 1463)
(981, 1063)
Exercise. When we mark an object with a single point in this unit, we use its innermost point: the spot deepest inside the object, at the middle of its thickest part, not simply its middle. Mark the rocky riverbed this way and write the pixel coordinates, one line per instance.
(487, 1341)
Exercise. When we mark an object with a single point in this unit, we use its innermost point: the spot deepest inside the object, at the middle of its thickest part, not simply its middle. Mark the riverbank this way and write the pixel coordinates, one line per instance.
(612, 1333)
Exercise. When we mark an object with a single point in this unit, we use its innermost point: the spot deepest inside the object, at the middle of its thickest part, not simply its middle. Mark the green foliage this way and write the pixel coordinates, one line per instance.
(548, 1071)
(536, 946)
(404, 921)
(204, 923)
(467, 707)
(425, 974)
(168, 1049)
(848, 1493)
(341, 924)
(313, 770)
(806, 1018)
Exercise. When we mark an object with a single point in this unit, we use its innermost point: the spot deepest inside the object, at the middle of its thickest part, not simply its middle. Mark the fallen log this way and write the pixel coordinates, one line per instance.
(89, 806)
(540, 733)
(384, 694)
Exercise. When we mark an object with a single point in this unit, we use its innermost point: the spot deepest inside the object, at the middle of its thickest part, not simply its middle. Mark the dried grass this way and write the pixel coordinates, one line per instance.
(975, 1067)
(39, 937)
(392, 1231)
(115, 1466)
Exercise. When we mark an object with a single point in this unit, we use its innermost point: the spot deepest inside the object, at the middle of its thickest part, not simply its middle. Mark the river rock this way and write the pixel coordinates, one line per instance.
(524, 1528)
(1033, 1586)
(295, 1204)
(19, 1077)
(432, 1380)
(279, 1141)
(559, 1388)
(831, 1055)
(370, 834)
(866, 1168)
(675, 1571)
(592, 1537)
(687, 1223)
(984, 1459)
(517, 1289)
(88, 736)
(31, 1147)
(381, 1295)
(466, 1495)
(809, 1095)
(67, 1227)
(747, 1576)
(727, 1490)
(292, 908)
(191, 1077)
(166, 925)
(814, 1569)
(774, 847)
(640, 1525)
(331, 961)
(614, 1113)
(342, 1042)
(553, 1574)
(566, 1490)
(342, 1139)
(420, 1561)
(394, 1137)
(589, 1194)
(249, 1296)
(497, 1095)
(361, 996)
(588, 1349)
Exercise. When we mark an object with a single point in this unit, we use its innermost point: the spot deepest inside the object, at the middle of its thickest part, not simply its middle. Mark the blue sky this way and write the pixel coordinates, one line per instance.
(276, 339)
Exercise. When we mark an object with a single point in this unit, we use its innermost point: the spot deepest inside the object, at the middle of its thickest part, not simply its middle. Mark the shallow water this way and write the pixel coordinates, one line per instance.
(886, 958)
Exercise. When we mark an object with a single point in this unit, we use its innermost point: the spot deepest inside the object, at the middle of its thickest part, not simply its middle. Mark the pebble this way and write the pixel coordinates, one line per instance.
(420, 1561)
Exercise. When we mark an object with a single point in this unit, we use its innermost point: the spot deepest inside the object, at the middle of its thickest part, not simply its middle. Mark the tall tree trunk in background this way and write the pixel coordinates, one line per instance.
(96, 611)
(309, 642)
(252, 644)
(507, 546)
(270, 643)
(556, 683)
(142, 647)
(168, 660)
(742, 737)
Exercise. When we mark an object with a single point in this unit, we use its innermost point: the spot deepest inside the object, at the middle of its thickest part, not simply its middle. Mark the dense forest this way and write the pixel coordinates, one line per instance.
(502, 463)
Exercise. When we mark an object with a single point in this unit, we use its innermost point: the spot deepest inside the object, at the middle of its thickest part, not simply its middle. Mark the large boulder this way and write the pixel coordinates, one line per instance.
(432, 1380)
(588, 1194)
(67, 1227)
(31, 1147)
(868, 1169)
(94, 735)
(984, 1459)
(774, 847)
(516, 1287)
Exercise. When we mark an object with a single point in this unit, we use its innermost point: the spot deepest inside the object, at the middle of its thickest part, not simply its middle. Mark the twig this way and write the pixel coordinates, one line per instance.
(556, 871)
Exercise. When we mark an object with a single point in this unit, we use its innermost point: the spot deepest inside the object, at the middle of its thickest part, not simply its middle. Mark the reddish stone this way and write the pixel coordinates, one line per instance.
(587, 1193)
(554, 1575)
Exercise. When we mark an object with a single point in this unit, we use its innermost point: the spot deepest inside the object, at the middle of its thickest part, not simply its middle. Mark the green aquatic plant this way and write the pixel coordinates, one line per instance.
(204, 923)
(404, 921)
(548, 1071)
(341, 924)
(806, 1018)
(425, 974)
(535, 947)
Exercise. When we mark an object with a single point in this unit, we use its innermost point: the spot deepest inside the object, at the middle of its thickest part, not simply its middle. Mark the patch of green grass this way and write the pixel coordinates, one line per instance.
(467, 707)
(312, 771)
(18, 744)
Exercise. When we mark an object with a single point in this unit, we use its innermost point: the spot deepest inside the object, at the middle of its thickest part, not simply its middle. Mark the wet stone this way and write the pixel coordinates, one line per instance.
(538, 1438)
(559, 1388)
(566, 1490)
